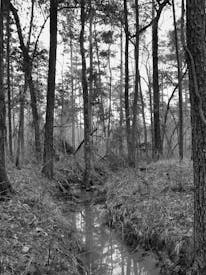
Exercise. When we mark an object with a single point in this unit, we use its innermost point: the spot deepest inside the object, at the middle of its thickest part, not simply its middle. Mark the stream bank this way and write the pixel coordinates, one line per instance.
(153, 208)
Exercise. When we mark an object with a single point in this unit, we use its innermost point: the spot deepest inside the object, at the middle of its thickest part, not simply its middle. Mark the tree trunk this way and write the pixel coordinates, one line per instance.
(5, 186)
(110, 101)
(9, 84)
(27, 64)
(20, 140)
(157, 150)
(143, 117)
(73, 97)
(156, 92)
(102, 113)
(126, 92)
(136, 92)
(196, 51)
(179, 68)
(121, 96)
(87, 143)
(49, 126)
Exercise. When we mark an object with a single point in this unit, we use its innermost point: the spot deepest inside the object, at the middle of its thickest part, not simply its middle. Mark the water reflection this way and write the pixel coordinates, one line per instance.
(104, 254)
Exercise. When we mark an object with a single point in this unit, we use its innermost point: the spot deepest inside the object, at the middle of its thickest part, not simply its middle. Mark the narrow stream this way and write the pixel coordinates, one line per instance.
(104, 254)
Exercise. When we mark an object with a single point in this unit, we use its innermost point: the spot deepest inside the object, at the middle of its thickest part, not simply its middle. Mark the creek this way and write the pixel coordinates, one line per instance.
(104, 253)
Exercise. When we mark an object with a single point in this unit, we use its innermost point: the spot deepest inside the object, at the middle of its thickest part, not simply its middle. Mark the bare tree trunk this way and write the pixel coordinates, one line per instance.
(143, 116)
(73, 97)
(196, 58)
(27, 63)
(102, 116)
(5, 186)
(9, 84)
(90, 61)
(179, 68)
(156, 92)
(87, 127)
(48, 138)
(121, 95)
(20, 140)
(126, 93)
(110, 101)
(136, 92)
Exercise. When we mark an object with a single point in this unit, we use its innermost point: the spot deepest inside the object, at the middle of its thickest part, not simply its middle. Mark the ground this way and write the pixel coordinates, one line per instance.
(36, 235)
(152, 206)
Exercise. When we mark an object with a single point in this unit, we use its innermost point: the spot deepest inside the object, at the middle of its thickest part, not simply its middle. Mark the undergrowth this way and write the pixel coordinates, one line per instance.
(153, 208)
(36, 236)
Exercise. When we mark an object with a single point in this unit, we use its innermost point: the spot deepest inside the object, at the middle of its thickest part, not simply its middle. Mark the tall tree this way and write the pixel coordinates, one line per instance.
(27, 64)
(196, 53)
(179, 70)
(8, 82)
(126, 91)
(157, 8)
(5, 186)
(134, 122)
(48, 137)
(87, 127)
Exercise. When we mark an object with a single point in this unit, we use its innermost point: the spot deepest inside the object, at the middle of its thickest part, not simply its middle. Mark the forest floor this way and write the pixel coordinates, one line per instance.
(152, 207)
(37, 237)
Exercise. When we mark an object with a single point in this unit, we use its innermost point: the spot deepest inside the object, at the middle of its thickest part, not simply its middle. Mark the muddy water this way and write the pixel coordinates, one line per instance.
(104, 254)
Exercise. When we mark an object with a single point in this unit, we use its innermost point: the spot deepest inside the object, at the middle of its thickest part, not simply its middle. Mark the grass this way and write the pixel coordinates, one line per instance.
(153, 208)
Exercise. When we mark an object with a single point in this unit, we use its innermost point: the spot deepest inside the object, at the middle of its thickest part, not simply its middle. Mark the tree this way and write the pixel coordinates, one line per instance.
(179, 69)
(157, 8)
(48, 137)
(126, 91)
(5, 186)
(27, 64)
(87, 127)
(196, 58)
(136, 91)
(8, 81)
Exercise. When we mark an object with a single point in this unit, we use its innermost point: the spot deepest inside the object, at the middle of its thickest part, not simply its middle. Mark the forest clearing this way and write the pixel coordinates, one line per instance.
(103, 137)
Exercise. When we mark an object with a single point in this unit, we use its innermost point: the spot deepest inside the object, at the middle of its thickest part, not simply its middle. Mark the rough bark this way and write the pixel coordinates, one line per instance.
(196, 53)
(126, 88)
(87, 142)
(9, 83)
(73, 96)
(48, 137)
(27, 63)
(179, 69)
(121, 95)
(5, 186)
(157, 150)
(20, 140)
(136, 91)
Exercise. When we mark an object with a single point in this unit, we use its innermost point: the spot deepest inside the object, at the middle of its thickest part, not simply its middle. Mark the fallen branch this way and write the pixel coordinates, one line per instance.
(82, 142)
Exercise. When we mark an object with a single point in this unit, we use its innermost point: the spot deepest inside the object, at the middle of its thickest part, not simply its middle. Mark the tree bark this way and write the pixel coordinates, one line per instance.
(20, 140)
(126, 91)
(121, 96)
(73, 97)
(27, 63)
(196, 58)
(156, 92)
(136, 92)
(87, 142)
(179, 70)
(5, 186)
(158, 146)
(48, 137)
(9, 84)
